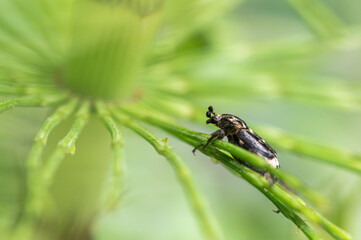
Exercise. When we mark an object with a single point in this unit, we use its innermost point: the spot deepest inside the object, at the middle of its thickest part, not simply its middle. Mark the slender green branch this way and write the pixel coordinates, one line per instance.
(169, 126)
(34, 159)
(118, 165)
(257, 181)
(8, 104)
(325, 92)
(11, 88)
(319, 17)
(32, 101)
(328, 154)
(176, 106)
(209, 226)
(67, 144)
(295, 144)
(41, 101)
(290, 200)
(288, 179)
(280, 198)
(41, 138)
(247, 174)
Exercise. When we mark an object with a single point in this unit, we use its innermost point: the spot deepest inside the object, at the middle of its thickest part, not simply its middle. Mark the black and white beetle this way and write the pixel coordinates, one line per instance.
(238, 133)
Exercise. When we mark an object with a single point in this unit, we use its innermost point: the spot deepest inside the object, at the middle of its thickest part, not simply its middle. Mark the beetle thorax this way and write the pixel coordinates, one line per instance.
(228, 123)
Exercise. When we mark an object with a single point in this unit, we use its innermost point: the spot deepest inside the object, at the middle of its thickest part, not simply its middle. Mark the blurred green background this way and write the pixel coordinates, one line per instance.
(250, 44)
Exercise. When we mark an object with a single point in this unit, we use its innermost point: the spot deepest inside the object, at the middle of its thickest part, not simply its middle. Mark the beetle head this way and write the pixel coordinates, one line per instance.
(213, 117)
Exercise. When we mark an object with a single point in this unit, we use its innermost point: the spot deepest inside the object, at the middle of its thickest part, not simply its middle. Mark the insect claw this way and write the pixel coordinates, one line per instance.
(276, 211)
(210, 108)
(195, 149)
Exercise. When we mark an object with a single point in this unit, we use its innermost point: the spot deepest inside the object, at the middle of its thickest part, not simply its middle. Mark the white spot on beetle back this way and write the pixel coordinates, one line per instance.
(273, 162)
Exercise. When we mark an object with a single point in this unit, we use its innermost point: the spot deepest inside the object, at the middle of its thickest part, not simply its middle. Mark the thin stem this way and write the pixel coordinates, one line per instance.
(179, 131)
(16, 88)
(295, 144)
(257, 181)
(280, 198)
(328, 154)
(179, 107)
(209, 226)
(118, 165)
(290, 200)
(320, 18)
(67, 145)
(10, 90)
(325, 92)
(41, 101)
(8, 104)
(34, 159)
(32, 101)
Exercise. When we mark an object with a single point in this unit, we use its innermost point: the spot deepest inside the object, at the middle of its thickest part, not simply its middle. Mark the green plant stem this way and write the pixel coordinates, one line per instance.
(287, 198)
(209, 226)
(10, 90)
(67, 145)
(328, 154)
(325, 92)
(169, 126)
(118, 165)
(176, 106)
(278, 197)
(295, 144)
(17, 88)
(34, 159)
(319, 17)
(8, 104)
(258, 182)
(32, 101)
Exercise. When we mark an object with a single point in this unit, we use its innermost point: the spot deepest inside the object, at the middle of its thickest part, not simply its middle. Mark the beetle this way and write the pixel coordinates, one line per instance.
(239, 134)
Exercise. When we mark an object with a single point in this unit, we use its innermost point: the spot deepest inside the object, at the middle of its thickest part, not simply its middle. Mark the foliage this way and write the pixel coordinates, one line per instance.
(126, 63)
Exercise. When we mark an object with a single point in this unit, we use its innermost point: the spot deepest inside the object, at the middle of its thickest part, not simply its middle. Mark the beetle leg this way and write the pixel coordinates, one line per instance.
(195, 149)
(219, 134)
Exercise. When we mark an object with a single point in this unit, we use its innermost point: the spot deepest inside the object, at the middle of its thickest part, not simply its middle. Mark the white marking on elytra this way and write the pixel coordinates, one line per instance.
(273, 162)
